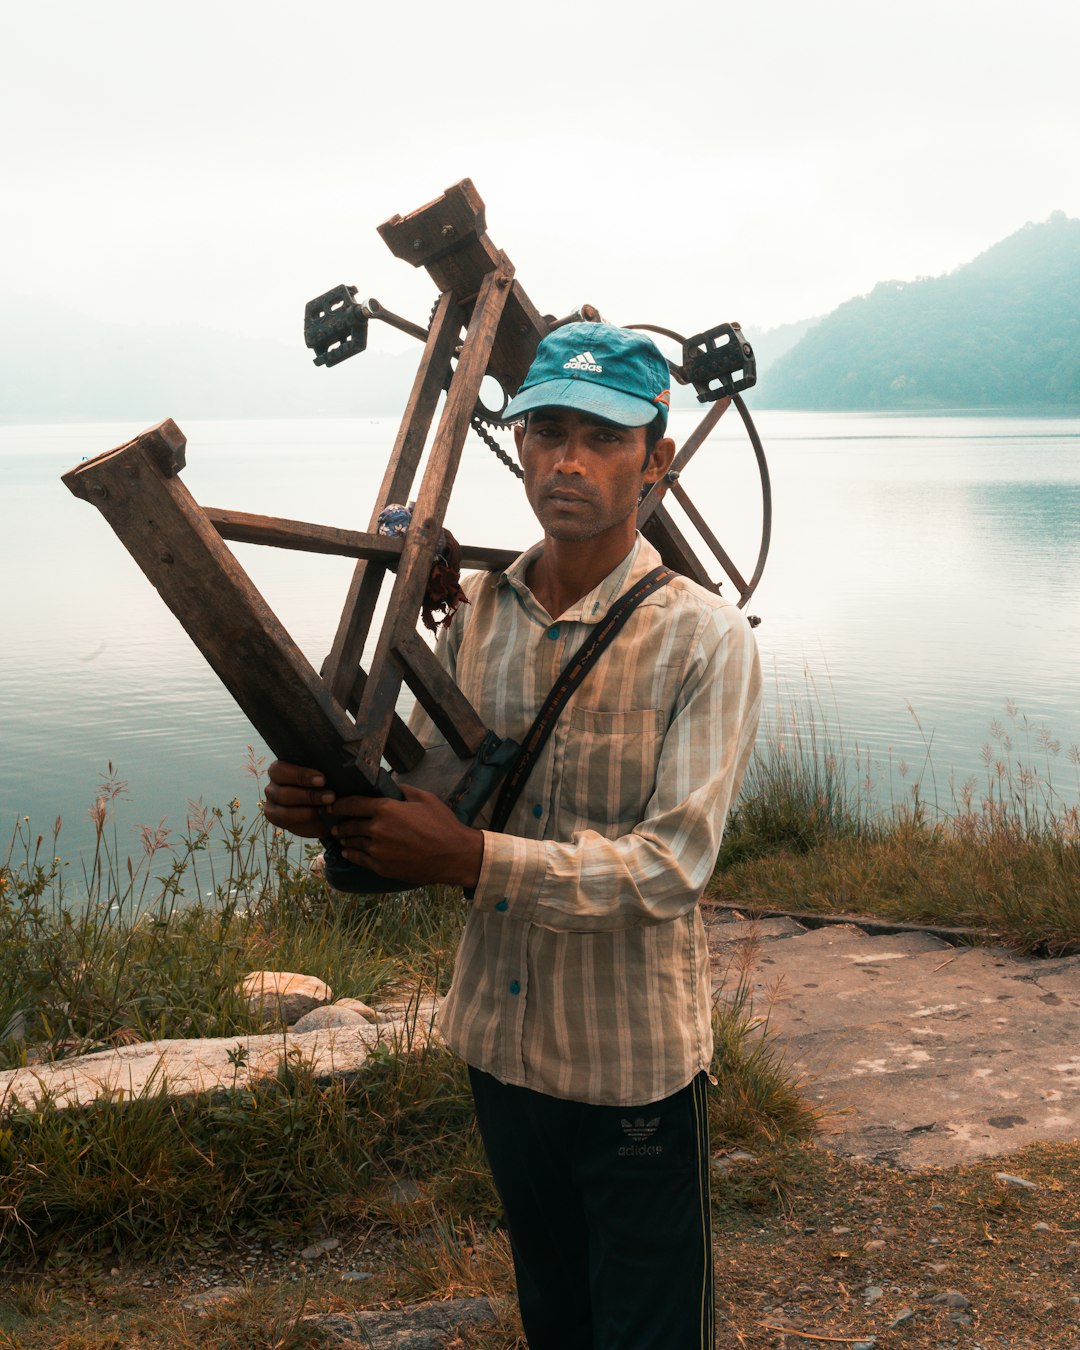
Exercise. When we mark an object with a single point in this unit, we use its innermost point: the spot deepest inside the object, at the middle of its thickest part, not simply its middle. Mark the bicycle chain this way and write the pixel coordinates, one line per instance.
(480, 426)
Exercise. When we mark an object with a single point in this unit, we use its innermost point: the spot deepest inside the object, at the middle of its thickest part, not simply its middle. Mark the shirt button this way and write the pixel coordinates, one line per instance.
(502, 906)
(515, 987)
(554, 631)
(538, 810)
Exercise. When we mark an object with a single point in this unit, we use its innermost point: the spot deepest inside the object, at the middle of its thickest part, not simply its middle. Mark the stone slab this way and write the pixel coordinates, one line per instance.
(421, 1326)
(755, 930)
(182, 1067)
(930, 1054)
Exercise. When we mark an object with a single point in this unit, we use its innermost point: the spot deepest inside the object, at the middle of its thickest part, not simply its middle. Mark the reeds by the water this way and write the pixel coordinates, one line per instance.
(156, 947)
(1001, 855)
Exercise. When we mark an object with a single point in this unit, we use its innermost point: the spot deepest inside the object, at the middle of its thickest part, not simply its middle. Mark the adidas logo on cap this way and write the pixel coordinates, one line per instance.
(585, 361)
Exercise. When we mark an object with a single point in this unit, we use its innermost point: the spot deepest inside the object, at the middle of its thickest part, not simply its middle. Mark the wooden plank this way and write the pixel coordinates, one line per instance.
(242, 527)
(183, 556)
(448, 237)
(674, 548)
(439, 696)
(403, 751)
(449, 224)
(686, 452)
(341, 667)
(719, 552)
(377, 704)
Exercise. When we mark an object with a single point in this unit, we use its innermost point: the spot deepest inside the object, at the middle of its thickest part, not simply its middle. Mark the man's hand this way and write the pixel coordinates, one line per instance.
(419, 840)
(296, 799)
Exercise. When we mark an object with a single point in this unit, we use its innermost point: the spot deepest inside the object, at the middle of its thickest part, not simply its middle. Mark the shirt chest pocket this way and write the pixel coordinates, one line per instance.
(608, 768)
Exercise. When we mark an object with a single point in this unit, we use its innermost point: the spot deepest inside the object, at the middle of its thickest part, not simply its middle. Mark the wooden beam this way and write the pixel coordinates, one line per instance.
(673, 546)
(719, 552)
(377, 704)
(241, 527)
(342, 667)
(448, 237)
(137, 490)
(439, 696)
(687, 451)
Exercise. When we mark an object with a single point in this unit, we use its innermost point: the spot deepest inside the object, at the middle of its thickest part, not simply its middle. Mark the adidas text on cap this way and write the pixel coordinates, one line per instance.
(597, 368)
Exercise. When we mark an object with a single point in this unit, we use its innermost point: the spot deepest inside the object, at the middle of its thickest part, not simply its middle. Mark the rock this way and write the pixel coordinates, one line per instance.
(283, 996)
(357, 1005)
(421, 1326)
(181, 1067)
(1017, 1183)
(1041, 1228)
(404, 1191)
(952, 1298)
(319, 1249)
(730, 1157)
(207, 1299)
(415, 1016)
(904, 1315)
(338, 1330)
(357, 1276)
(864, 1345)
(872, 1293)
(332, 1015)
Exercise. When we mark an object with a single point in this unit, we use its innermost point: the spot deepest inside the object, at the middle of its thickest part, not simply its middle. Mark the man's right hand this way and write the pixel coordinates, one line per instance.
(296, 799)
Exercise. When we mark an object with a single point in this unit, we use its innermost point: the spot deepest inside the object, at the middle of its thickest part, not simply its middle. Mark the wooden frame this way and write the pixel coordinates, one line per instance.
(342, 720)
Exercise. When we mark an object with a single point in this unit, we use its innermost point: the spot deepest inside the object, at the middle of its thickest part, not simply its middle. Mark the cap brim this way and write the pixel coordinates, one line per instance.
(583, 396)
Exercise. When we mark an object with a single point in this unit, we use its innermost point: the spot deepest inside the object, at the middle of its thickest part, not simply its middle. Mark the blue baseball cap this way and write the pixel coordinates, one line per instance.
(614, 373)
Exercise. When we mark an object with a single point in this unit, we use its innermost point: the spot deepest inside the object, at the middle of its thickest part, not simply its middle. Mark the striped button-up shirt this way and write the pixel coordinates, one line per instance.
(583, 970)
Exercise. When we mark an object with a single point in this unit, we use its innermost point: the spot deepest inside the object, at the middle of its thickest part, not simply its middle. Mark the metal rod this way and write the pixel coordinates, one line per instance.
(766, 495)
(374, 310)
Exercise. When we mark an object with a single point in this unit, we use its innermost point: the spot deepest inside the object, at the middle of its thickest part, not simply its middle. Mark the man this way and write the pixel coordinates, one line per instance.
(581, 996)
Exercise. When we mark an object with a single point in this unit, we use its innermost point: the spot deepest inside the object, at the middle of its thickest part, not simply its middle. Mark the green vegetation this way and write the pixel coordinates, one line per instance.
(1002, 857)
(127, 958)
(109, 1213)
(1002, 331)
(124, 955)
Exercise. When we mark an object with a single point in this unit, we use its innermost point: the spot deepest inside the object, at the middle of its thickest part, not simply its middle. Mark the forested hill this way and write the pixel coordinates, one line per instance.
(1001, 331)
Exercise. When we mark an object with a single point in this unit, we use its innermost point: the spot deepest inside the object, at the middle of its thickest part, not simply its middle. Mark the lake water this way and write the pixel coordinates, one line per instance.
(924, 574)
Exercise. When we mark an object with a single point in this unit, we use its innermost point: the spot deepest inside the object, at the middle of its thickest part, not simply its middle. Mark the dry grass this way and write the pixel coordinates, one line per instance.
(781, 1270)
(1003, 858)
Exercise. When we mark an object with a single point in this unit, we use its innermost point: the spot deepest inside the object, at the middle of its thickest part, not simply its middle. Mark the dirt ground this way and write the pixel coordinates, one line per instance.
(858, 1254)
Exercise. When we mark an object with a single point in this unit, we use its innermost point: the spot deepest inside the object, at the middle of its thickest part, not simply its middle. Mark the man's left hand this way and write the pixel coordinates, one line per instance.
(419, 840)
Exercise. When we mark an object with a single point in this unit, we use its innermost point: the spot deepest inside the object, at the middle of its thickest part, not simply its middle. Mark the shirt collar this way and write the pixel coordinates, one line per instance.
(592, 607)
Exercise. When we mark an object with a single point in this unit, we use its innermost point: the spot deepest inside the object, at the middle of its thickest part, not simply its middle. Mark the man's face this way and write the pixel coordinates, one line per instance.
(582, 475)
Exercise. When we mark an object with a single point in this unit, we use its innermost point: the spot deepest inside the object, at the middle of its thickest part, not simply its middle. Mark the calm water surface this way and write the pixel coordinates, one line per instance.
(925, 572)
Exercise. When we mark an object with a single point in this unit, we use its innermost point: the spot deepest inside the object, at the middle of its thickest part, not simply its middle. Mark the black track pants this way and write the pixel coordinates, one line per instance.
(608, 1212)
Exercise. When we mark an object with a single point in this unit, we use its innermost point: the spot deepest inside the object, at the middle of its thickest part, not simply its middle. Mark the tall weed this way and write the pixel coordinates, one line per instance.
(1002, 855)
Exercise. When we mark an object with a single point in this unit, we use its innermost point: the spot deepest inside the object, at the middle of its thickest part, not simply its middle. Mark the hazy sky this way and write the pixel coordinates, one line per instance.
(221, 163)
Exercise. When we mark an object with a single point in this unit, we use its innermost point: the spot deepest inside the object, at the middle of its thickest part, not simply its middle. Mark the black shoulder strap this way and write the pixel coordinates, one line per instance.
(569, 679)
